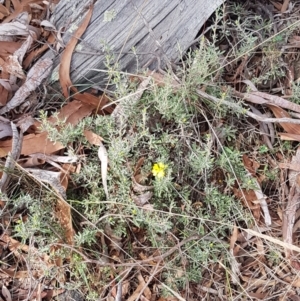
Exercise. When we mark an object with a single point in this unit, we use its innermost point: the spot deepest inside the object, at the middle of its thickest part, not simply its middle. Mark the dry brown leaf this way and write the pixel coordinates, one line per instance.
(85, 110)
(70, 168)
(276, 4)
(235, 266)
(97, 102)
(257, 295)
(6, 294)
(15, 246)
(3, 92)
(291, 166)
(36, 74)
(142, 288)
(53, 178)
(66, 112)
(19, 27)
(138, 166)
(138, 187)
(250, 165)
(289, 137)
(3, 11)
(233, 237)
(63, 214)
(72, 113)
(15, 274)
(288, 127)
(294, 280)
(248, 198)
(37, 52)
(285, 5)
(8, 48)
(261, 199)
(12, 66)
(277, 101)
(64, 68)
(143, 198)
(92, 138)
(19, 7)
(32, 143)
(260, 248)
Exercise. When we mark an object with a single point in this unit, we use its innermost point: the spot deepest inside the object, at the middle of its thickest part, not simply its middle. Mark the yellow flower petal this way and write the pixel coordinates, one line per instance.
(158, 170)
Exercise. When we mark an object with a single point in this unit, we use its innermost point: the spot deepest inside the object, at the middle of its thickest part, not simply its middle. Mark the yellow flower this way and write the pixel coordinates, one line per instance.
(158, 170)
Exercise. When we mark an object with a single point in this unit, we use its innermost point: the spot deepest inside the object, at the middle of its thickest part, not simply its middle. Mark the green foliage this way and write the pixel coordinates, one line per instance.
(222, 205)
(163, 128)
(231, 161)
(86, 237)
(203, 63)
(60, 131)
(36, 225)
(263, 149)
(182, 141)
(295, 93)
(201, 160)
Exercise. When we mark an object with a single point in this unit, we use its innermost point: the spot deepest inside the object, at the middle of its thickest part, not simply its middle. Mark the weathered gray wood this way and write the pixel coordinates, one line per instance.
(141, 31)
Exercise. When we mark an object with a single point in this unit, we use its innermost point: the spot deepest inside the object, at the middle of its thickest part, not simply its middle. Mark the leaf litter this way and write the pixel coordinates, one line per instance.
(251, 270)
(39, 150)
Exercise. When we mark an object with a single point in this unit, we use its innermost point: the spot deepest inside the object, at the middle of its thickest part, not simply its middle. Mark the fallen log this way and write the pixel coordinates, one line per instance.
(127, 35)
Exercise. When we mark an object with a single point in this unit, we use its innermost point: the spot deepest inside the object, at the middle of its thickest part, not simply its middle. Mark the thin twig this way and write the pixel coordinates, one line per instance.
(138, 262)
(156, 270)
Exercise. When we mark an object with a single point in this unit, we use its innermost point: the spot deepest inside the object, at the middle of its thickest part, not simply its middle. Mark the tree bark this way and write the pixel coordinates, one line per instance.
(128, 34)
